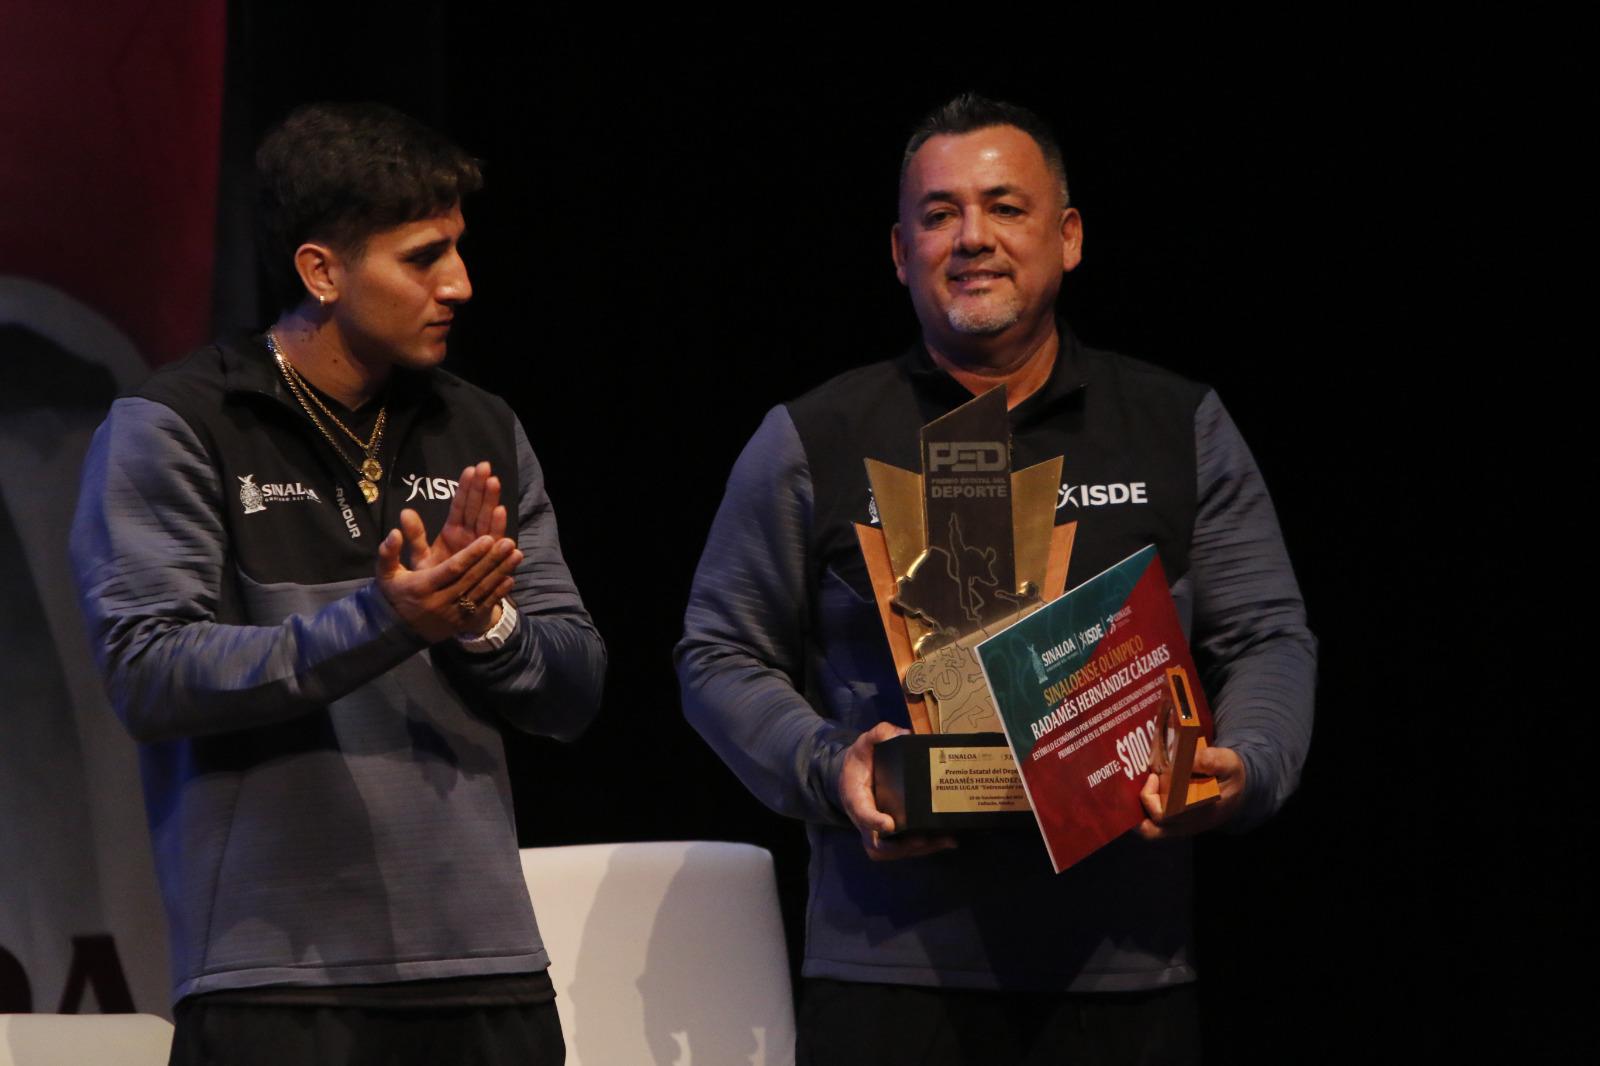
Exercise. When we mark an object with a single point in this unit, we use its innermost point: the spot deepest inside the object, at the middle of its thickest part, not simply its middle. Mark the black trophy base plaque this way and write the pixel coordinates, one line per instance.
(943, 782)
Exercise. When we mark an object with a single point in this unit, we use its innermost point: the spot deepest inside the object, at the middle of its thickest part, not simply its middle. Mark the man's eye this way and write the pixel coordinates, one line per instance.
(934, 218)
(1007, 210)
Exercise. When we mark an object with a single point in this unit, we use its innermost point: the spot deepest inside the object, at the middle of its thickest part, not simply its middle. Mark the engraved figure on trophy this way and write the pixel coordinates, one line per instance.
(934, 592)
(925, 592)
(953, 676)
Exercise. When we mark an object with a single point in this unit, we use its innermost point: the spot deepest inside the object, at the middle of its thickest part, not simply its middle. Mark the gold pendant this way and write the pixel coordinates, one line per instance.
(372, 470)
(369, 490)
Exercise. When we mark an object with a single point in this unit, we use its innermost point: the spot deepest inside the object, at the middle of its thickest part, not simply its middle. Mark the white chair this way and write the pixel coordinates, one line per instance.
(84, 1040)
(669, 954)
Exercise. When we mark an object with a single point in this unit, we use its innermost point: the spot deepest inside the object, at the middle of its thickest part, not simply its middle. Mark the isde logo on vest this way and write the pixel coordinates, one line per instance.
(429, 488)
(1101, 495)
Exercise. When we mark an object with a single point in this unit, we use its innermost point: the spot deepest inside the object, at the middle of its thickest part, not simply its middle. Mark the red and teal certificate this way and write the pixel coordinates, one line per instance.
(1079, 687)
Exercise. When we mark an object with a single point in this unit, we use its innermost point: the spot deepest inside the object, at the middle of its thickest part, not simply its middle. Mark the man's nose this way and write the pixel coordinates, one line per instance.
(455, 287)
(975, 236)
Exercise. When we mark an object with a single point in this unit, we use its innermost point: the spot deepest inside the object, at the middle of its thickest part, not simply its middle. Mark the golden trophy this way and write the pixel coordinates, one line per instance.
(963, 549)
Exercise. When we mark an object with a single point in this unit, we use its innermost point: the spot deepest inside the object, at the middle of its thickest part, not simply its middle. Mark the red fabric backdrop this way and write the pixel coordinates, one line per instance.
(110, 118)
(110, 133)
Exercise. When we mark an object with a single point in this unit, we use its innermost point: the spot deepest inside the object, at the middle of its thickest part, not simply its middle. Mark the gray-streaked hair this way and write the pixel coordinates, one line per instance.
(970, 112)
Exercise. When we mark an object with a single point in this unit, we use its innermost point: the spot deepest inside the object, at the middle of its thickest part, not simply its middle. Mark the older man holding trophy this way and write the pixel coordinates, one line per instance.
(878, 529)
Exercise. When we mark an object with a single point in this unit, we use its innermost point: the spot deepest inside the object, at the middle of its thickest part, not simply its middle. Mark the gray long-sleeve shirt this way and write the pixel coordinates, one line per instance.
(327, 796)
(783, 663)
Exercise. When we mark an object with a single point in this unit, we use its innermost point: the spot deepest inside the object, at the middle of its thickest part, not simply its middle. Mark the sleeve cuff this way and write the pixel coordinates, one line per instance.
(387, 620)
(1257, 804)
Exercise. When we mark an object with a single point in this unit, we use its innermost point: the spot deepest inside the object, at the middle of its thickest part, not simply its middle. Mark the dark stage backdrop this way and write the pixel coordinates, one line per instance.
(685, 225)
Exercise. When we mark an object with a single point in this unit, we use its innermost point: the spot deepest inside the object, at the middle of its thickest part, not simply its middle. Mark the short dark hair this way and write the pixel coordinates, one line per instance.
(341, 172)
(970, 112)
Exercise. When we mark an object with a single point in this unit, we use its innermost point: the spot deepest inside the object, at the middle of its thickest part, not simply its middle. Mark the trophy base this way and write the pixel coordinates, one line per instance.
(947, 782)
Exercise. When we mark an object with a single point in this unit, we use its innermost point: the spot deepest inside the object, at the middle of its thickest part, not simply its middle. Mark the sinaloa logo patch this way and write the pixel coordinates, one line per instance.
(250, 494)
(429, 488)
(256, 498)
(1101, 495)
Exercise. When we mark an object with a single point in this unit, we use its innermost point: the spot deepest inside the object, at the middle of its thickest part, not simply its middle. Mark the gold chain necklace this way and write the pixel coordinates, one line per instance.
(369, 469)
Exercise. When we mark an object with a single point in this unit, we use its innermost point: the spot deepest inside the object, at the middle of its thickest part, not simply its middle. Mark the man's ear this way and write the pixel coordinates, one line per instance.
(897, 252)
(1071, 238)
(321, 271)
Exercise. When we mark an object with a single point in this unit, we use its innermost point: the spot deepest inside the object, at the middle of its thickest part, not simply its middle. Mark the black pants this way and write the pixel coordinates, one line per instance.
(211, 1034)
(843, 1023)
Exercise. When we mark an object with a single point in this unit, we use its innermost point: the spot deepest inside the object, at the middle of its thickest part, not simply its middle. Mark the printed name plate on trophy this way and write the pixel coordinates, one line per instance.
(964, 549)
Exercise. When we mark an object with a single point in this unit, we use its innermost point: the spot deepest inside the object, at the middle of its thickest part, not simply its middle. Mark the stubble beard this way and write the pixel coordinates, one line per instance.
(984, 317)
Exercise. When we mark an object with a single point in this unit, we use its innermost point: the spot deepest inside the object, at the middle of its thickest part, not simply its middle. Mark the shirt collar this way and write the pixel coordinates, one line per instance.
(1067, 377)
